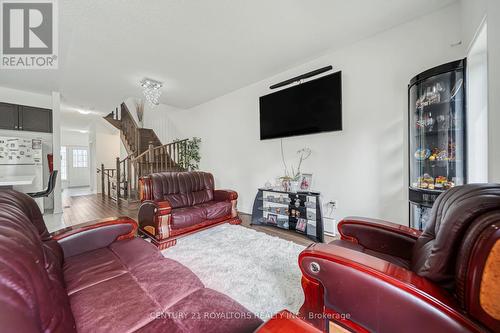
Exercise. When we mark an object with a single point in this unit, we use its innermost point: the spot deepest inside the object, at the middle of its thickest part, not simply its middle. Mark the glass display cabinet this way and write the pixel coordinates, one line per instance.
(437, 141)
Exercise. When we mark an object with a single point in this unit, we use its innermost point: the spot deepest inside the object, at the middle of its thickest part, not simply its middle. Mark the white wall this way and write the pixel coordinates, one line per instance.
(56, 143)
(363, 167)
(74, 138)
(105, 146)
(473, 13)
(477, 109)
(163, 119)
(493, 17)
(14, 96)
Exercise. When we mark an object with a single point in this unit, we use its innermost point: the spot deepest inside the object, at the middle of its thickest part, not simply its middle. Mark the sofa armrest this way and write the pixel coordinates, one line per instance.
(94, 234)
(342, 277)
(225, 195)
(378, 235)
(154, 218)
(231, 196)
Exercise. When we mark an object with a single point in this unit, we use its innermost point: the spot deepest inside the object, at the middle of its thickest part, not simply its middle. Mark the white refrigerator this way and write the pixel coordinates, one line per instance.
(23, 157)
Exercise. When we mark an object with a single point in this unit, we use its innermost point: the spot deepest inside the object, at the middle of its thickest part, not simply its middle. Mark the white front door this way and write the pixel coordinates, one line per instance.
(78, 166)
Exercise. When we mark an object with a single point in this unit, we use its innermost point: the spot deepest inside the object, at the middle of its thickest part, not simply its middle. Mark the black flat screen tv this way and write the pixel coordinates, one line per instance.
(311, 107)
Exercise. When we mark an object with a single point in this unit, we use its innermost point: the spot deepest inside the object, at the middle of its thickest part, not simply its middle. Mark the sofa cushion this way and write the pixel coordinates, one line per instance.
(205, 311)
(165, 280)
(114, 305)
(144, 283)
(149, 293)
(187, 217)
(135, 252)
(216, 209)
(387, 257)
(182, 189)
(89, 268)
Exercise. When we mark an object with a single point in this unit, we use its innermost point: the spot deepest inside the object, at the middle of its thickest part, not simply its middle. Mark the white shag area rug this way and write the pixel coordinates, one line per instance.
(259, 271)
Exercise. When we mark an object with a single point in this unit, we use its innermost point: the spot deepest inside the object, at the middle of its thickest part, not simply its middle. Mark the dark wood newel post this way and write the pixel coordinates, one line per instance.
(102, 180)
(109, 184)
(129, 177)
(151, 158)
(118, 174)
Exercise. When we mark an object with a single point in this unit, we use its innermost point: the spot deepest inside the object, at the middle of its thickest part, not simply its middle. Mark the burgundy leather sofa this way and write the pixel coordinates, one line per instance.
(175, 204)
(98, 277)
(384, 277)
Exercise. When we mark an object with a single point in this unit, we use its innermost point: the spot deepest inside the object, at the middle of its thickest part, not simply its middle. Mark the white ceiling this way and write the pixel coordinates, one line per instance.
(200, 49)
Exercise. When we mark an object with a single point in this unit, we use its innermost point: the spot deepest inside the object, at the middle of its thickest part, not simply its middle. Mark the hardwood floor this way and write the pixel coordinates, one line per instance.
(79, 209)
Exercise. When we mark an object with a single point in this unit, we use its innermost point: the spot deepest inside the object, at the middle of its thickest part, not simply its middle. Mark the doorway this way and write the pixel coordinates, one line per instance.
(75, 168)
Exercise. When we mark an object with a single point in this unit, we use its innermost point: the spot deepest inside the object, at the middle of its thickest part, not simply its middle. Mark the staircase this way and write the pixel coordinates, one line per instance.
(146, 154)
(135, 139)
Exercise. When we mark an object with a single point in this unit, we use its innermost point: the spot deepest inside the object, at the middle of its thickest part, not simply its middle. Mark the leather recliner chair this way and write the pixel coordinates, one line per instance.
(384, 277)
(176, 204)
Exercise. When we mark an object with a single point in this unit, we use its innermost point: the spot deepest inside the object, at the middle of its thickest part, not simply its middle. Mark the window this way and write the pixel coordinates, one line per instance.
(64, 164)
(80, 159)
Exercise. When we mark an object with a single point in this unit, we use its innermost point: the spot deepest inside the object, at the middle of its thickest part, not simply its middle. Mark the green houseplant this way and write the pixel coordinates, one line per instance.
(190, 153)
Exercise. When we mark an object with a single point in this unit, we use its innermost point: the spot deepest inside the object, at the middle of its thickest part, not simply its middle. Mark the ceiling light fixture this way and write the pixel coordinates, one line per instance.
(151, 89)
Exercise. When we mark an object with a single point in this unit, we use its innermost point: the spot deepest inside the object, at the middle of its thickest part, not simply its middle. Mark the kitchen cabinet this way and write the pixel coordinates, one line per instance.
(8, 116)
(25, 118)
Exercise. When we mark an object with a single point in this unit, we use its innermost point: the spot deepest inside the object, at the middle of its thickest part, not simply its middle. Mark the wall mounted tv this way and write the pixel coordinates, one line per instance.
(311, 107)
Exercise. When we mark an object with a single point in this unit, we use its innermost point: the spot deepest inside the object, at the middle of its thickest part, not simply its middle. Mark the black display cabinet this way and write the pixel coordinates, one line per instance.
(437, 136)
(295, 211)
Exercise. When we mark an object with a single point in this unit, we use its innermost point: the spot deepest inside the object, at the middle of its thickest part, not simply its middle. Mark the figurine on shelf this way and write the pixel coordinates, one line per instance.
(422, 154)
(424, 181)
(427, 122)
(310, 204)
(452, 150)
(442, 156)
(431, 96)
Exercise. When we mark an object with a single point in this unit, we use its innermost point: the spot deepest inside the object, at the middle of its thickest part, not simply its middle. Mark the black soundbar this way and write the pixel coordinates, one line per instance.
(301, 77)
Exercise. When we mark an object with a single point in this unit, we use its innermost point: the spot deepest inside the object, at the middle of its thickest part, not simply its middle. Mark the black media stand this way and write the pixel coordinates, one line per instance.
(296, 211)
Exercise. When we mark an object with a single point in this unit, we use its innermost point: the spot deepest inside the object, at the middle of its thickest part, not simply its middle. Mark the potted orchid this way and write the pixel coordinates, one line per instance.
(291, 179)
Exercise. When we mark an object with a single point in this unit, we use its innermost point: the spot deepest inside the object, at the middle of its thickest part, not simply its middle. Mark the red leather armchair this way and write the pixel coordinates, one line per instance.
(384, 277)
(176, 204)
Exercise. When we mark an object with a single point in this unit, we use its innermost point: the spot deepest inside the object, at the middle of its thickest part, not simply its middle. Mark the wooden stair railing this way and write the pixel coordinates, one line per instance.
(135, 139)
(146, 155)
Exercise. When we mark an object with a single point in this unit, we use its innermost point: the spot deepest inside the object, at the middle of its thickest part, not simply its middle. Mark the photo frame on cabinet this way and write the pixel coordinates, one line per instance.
(306, 181)
(301, 225)
(272, 218)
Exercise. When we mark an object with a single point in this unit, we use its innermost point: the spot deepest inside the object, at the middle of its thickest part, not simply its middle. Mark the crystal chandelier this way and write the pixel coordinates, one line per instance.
(152, 92)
